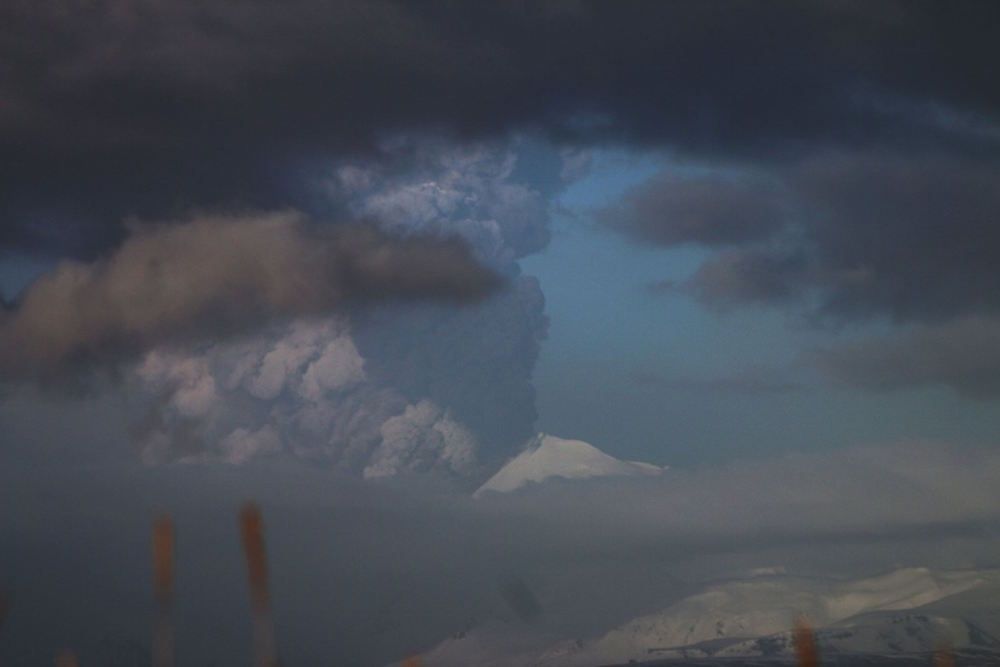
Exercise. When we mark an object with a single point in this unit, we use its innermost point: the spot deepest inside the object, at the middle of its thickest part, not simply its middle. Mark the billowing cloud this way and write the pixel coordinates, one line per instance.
(389, 389)
(469, 190)
(301, 390)
(422, 432)
(223, 274)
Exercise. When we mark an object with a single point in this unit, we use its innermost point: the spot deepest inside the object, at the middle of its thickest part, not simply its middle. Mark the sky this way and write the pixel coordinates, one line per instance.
(658, 376)
(348, 259)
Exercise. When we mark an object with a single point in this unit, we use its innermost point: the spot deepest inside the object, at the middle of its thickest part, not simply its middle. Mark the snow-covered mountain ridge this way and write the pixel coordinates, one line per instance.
(547, 456)
(906, 612)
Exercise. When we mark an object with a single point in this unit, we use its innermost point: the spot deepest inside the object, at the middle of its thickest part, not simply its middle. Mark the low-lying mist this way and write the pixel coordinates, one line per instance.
(366, 573)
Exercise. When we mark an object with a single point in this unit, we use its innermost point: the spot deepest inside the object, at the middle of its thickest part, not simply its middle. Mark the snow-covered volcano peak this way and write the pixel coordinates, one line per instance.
(548, 456)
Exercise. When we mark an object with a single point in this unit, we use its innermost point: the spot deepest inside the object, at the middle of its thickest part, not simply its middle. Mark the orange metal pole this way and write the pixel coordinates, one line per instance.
(66, 659)
(943, 657)
(252, 531)
(163, 591)
(804, 639)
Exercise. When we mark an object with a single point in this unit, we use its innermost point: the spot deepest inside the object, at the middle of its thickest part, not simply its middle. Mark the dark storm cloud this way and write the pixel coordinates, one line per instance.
(870, 235)
(914, 238)
(223, 274)
(145, 107)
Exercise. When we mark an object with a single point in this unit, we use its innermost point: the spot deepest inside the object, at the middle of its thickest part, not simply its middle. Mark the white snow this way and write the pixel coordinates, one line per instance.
(547, 456)
(766, 606)
(908, 610)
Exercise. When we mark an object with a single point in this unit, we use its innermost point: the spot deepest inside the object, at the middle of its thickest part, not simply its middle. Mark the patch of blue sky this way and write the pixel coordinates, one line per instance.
(598, 287)
(19, 271)
(642, 373)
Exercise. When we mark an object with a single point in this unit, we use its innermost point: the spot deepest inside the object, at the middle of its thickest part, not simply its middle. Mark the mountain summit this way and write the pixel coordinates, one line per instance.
(548, 456)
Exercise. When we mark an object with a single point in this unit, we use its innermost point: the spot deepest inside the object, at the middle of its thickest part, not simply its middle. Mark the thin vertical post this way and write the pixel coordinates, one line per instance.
(252, 531)
(804, 639)
(66, 659)
(163, 591)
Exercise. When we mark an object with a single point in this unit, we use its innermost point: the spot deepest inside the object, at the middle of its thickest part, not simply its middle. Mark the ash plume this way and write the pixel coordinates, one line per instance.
(393, 388)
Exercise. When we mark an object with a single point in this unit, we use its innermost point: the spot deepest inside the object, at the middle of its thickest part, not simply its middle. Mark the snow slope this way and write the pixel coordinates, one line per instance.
(907, 611)
(767, 606)
(547, 456)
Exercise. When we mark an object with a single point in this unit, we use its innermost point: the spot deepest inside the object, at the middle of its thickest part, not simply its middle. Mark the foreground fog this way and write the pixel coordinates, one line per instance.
(369, 573)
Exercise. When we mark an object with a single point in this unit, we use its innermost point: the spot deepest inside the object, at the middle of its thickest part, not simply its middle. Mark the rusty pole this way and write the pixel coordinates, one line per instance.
(66, 659)
(804, 639)
(163, 591)
(252, 531)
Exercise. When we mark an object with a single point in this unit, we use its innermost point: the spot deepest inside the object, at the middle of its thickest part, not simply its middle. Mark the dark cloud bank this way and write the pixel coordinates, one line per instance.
(865, 133)
(222, 275)
(147, 108)
(875, 124)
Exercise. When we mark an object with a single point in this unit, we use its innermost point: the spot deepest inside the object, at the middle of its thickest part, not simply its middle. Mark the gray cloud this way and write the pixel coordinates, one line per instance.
(223, 273)
(963, 354)
(912, 240)
(141, 107)
(755, 275)
(863, 236)
(713, 209)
